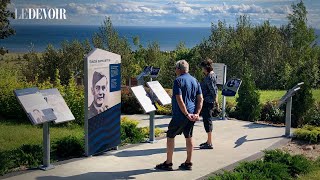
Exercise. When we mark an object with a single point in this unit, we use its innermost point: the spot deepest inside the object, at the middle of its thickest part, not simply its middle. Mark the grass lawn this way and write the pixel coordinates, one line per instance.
(15, 135)
(272, 95)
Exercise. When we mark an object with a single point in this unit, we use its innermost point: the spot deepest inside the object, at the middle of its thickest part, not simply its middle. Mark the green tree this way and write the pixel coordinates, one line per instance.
(5, 29)
(248, 105)
(108, 39)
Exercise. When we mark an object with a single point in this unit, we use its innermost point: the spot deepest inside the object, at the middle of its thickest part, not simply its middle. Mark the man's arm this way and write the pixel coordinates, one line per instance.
(183, 107)
(199, 105)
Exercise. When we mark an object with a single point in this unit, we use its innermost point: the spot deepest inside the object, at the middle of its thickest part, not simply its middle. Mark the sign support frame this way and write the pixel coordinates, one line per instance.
(46, 148)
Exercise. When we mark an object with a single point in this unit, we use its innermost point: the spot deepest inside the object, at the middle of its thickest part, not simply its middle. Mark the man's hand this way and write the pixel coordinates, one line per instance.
(196, 117)
(193, 117)
(190, 117)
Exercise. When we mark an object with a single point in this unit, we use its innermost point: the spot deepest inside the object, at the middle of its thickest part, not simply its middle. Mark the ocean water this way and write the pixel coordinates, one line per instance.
(38, 37)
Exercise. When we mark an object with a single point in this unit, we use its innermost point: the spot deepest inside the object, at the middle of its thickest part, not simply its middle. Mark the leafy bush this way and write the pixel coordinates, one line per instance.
(129, 103)
(130, 133)
(308, 133)
(256, 170)
(248, 105)
(275, 165)
(272, 114)
(302, 103)
(9, 81)
(28, 155)
(68, 147)
(164, 110)
(231, 109)
(268, 170)
(314, 115)
(297, 164)
(145, 131)
(6, 163)
(24, 156)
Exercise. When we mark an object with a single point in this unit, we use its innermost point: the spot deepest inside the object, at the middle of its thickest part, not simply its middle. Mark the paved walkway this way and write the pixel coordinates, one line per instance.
(233, 141)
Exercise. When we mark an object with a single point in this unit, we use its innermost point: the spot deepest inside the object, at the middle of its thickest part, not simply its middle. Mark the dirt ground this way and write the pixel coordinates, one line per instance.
(312, 151)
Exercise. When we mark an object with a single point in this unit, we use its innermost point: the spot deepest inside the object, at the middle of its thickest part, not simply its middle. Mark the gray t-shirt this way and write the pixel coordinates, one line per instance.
(209, 88)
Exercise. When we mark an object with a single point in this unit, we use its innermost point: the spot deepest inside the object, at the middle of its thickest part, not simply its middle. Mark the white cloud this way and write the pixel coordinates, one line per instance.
(188, 12)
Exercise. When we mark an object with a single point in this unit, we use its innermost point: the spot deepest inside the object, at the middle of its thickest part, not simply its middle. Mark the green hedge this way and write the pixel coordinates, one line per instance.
(308, 133)
(276, 165)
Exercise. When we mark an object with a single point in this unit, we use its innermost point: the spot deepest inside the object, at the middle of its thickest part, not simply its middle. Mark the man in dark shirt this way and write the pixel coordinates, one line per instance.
(186, 107)
(210, 91)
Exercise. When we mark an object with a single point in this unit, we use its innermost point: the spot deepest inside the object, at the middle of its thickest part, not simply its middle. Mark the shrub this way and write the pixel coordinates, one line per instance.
(256, 170)
(129, 103)
(231, 109)
(297, 164)
(164, 110)
(130, 133)
(248, 106)
(272, 114)
(265, 170)
(314, 115)
(9, 81)
(6, 163)
(302, 104)
(308, 133)
(157, 132)
(68, 147)
(28, 155)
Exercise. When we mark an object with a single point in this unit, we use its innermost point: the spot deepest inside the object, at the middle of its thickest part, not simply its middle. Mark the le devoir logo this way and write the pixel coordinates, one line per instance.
(40, 13)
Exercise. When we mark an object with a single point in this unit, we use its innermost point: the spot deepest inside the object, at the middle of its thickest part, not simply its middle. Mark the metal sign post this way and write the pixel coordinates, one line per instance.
(224, 97)
(151, 72)
(151, 117)
(288, 116)
(46, 148)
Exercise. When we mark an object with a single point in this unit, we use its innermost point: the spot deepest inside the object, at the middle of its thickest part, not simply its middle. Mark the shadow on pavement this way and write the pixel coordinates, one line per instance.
(144, 152)
(244, 139)
(255, 125)
(102, 175)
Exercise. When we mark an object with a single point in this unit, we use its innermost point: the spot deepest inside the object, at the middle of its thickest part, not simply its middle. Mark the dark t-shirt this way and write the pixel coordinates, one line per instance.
(209, 88)
(189, 88)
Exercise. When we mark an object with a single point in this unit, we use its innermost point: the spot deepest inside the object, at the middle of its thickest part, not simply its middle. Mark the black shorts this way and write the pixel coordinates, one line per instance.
(177, 128)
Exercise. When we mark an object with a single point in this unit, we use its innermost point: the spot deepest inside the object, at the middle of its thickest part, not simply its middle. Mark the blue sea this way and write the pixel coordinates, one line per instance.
(38, 37)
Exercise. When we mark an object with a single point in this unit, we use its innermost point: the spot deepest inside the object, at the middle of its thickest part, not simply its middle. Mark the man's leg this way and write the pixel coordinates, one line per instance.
(189, 144)
(209, 141)
(170, 149)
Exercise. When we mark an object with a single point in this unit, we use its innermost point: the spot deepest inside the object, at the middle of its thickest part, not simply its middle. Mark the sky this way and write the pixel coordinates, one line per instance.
(168, 13)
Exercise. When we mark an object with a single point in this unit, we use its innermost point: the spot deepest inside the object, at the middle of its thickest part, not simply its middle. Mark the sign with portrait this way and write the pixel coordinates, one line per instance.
(231, 87)
(34, 104)
(102, 100)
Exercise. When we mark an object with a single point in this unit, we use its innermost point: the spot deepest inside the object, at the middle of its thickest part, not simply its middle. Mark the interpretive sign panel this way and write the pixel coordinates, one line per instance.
(159, 92)
(102, 100)
(35, 105)
(60, 107)
(289, 94)
(143, 98)
(231, 87)
(219, 69)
